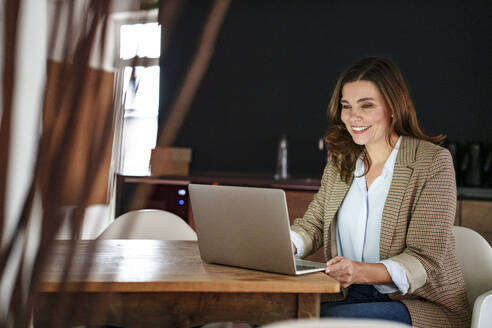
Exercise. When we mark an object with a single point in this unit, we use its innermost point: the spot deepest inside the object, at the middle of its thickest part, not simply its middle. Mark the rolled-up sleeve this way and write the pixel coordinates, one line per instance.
(399, 277)
(297, 241)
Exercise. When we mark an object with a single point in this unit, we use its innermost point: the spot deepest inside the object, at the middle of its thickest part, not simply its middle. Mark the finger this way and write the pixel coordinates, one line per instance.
(341, 275)
(333, 264)
(336, 259)
(339, 266)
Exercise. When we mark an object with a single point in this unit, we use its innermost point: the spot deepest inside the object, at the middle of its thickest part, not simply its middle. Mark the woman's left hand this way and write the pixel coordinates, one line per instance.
(343, 270)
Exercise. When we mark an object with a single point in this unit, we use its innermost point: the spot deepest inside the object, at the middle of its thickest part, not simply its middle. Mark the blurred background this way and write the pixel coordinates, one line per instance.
(276, 63)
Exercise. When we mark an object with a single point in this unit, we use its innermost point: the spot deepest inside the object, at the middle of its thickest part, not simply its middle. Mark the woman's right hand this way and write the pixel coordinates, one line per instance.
(294, 249)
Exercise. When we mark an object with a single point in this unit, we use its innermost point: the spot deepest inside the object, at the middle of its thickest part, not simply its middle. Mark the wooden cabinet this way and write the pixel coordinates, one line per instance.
(477, 215)
(297, 203)
(169, 195)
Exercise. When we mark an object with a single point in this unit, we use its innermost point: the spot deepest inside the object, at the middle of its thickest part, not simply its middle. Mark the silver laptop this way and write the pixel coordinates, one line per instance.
(246, 227)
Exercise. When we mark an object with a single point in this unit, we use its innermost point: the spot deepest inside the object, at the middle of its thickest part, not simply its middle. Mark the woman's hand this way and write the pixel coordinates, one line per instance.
(343, 270)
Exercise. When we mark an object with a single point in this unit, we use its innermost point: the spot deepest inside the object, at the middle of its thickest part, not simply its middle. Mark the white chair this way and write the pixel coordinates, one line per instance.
(149, 224)
(336, 323)
(475, 257)
(482, 311)
(95, 220)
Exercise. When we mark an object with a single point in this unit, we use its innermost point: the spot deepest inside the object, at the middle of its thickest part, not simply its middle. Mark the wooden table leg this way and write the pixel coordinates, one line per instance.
(308, 305)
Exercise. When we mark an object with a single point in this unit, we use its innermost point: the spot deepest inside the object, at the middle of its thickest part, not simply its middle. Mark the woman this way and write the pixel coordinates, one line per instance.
(386, 206)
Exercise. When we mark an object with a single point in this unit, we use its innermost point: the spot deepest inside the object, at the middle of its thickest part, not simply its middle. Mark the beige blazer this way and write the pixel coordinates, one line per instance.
(416, 231)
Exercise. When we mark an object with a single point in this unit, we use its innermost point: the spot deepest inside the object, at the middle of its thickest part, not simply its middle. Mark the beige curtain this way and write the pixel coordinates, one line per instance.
(92, 125)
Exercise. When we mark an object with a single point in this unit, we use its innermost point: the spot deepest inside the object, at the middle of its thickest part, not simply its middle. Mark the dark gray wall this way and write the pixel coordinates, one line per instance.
(276, 63)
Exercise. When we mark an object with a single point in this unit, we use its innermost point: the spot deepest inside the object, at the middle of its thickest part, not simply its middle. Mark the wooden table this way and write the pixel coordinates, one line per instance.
(151, 283)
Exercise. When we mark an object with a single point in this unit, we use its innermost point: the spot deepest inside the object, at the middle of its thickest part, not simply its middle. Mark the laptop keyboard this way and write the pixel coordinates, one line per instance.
(307, 265)
(304, 267)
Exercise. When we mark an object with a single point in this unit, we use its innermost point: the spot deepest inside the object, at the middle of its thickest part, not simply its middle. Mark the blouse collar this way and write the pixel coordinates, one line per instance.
(388, 165)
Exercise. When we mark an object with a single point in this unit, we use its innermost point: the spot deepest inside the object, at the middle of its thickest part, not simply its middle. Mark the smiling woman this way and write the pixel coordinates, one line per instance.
(381, 80)
(385, 208)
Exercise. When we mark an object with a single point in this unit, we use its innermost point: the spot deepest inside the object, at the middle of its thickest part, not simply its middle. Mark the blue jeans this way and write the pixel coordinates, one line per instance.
(364, 301)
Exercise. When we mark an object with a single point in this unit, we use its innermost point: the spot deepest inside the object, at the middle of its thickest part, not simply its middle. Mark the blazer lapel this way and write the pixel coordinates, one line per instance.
(401, 175)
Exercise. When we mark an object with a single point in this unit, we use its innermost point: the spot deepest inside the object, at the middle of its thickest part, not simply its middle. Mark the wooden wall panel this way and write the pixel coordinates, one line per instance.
(457, 218)
(297, 204)
(477, 215)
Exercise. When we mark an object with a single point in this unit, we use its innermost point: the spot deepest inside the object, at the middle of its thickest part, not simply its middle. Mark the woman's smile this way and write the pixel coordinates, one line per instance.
(360, 129)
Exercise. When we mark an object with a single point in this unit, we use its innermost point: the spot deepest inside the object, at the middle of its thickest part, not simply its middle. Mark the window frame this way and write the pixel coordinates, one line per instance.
(116, 21)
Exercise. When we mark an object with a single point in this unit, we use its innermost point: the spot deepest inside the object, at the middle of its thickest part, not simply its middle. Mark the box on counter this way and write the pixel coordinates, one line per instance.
(170, 161)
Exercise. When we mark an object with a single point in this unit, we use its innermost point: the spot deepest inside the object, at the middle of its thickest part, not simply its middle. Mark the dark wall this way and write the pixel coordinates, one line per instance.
(276, 63)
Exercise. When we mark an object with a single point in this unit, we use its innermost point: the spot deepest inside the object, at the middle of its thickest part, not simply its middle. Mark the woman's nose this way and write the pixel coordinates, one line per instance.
(355, 115)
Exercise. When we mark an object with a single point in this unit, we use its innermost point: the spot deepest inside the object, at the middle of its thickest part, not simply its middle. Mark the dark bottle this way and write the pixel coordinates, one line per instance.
(487, 168)
(472, 165)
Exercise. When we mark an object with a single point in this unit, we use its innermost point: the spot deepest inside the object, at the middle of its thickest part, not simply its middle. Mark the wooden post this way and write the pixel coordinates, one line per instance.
(308, 305)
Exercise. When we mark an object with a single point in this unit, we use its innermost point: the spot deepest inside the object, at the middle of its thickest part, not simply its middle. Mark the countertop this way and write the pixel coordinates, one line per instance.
(258, 180)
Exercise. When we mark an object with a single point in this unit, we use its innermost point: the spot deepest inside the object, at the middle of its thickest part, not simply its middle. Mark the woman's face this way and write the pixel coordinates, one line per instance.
(364, 113)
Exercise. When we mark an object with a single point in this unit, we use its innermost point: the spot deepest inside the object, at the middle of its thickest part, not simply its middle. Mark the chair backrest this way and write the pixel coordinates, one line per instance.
(336, 323)
(475, 257)
(95, 220)
(149, 224)
(482, 311)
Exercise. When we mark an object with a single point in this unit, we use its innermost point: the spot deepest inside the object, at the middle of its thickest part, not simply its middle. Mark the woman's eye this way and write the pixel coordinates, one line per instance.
(366, 106)
(345, 107)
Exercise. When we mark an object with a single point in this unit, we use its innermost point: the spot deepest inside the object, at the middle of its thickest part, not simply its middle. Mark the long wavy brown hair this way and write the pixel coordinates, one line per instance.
(402, 117)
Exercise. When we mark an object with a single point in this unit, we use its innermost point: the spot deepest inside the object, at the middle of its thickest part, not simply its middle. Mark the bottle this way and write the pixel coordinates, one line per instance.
(487, 170)
(282, 169)
(472, 165)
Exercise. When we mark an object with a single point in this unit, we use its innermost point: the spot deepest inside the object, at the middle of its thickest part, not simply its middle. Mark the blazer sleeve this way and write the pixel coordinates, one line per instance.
(310, 227)
(429, 234)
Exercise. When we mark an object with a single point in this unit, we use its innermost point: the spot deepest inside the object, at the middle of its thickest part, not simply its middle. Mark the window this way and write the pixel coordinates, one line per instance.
(137, 89)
